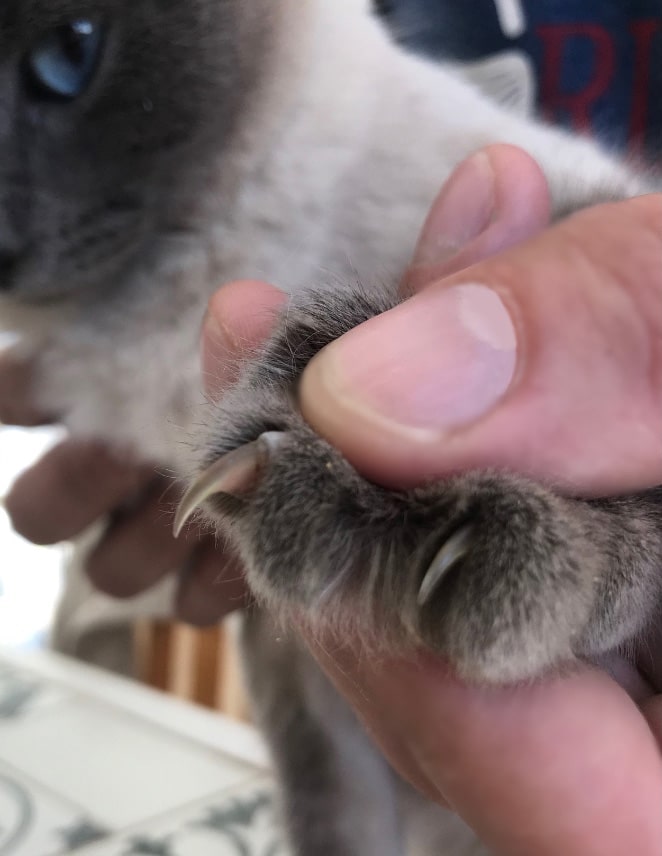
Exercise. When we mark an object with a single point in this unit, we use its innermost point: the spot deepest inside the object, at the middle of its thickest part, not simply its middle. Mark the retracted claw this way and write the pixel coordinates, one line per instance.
(453, 550)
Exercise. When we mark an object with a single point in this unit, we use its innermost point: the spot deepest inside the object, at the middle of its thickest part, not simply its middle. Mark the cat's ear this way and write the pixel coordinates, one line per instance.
(507, 78)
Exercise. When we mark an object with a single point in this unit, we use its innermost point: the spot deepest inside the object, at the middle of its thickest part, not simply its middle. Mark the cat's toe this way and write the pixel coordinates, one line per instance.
(449, 555)
(509, 592)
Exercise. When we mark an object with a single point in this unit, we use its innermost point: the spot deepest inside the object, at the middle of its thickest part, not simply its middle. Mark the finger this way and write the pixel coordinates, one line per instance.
(568, 766)
(545, 360)
(139, 548)
(16, 385)
(68, 489)
(241, 315)
(213, 587)
(493, 200)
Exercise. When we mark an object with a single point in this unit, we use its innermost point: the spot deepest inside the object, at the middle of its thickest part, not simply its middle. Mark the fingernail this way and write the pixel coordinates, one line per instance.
(439, 361)
(464, 209)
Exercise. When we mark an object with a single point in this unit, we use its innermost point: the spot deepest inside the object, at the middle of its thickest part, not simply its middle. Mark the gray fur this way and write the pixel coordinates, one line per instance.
(567, 577)
(338, 794)
(229, 138)
(92, 186)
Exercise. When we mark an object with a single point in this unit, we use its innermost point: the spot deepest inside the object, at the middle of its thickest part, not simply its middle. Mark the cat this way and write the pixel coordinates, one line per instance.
(152, 150)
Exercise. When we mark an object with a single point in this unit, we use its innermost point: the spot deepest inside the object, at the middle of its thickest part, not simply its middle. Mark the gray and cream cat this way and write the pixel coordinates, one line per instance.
(152, 149)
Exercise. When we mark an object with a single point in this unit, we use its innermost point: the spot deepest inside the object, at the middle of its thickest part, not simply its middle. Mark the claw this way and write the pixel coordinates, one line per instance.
(453, 550)
(234, 474)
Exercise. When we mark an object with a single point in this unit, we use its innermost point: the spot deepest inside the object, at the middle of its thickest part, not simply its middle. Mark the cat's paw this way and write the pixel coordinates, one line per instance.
(514, 583)
(496, 573)
(487, 570)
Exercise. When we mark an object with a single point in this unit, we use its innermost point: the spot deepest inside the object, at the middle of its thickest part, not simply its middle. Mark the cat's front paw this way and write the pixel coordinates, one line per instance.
(498, 574)
(513, 585)
(490, 571)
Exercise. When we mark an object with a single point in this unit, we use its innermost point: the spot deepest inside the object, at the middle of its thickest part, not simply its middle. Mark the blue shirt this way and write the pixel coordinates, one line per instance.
(598, 63)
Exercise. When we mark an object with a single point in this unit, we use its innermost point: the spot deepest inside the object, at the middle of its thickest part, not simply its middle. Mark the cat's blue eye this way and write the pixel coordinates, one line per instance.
(62, 64)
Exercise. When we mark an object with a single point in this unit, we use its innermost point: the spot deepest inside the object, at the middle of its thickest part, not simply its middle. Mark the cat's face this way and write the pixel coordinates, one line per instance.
(108, 111)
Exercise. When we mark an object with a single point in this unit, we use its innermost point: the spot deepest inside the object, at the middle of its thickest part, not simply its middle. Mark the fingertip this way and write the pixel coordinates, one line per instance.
(212, 588)
(240, 316)
(245, 311)
(69, 488)
(522, 190)
(493, 200)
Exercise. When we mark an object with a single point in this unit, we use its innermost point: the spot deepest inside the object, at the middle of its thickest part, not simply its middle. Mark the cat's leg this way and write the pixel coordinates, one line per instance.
(338, 794)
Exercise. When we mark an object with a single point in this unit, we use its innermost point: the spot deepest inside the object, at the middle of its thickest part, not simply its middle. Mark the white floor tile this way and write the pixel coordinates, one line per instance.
(34, 822)
(242, 823)
(120, 768)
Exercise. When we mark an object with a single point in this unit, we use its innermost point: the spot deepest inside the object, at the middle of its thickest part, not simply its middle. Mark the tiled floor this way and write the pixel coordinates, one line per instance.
(93, 765)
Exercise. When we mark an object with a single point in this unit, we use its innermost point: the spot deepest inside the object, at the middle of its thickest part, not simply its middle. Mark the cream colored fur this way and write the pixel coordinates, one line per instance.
(332, 173)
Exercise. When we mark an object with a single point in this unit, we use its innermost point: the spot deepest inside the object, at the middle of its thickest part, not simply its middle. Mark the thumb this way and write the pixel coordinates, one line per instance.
(545, 360)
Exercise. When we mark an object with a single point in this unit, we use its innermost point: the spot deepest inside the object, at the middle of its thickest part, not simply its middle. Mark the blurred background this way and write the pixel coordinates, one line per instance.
(30, 577)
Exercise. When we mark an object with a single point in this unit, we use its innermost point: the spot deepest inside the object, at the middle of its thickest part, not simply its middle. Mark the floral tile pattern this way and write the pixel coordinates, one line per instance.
(80, 775)
(237, 824)
(34, 822)
(22, 694)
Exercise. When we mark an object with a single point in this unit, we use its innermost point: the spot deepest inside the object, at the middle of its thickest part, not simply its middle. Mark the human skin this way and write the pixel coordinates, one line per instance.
(77, 482)
(569, 764)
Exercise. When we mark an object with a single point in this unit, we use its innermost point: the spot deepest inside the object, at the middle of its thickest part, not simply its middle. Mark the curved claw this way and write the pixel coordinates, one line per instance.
(234, 474)
(453, 550)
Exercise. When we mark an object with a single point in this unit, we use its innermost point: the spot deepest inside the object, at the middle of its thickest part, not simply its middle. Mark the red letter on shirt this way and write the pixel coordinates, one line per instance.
(577, 104)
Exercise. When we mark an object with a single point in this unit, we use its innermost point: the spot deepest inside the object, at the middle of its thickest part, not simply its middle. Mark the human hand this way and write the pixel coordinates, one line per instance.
(78, 483)
(570, 764)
